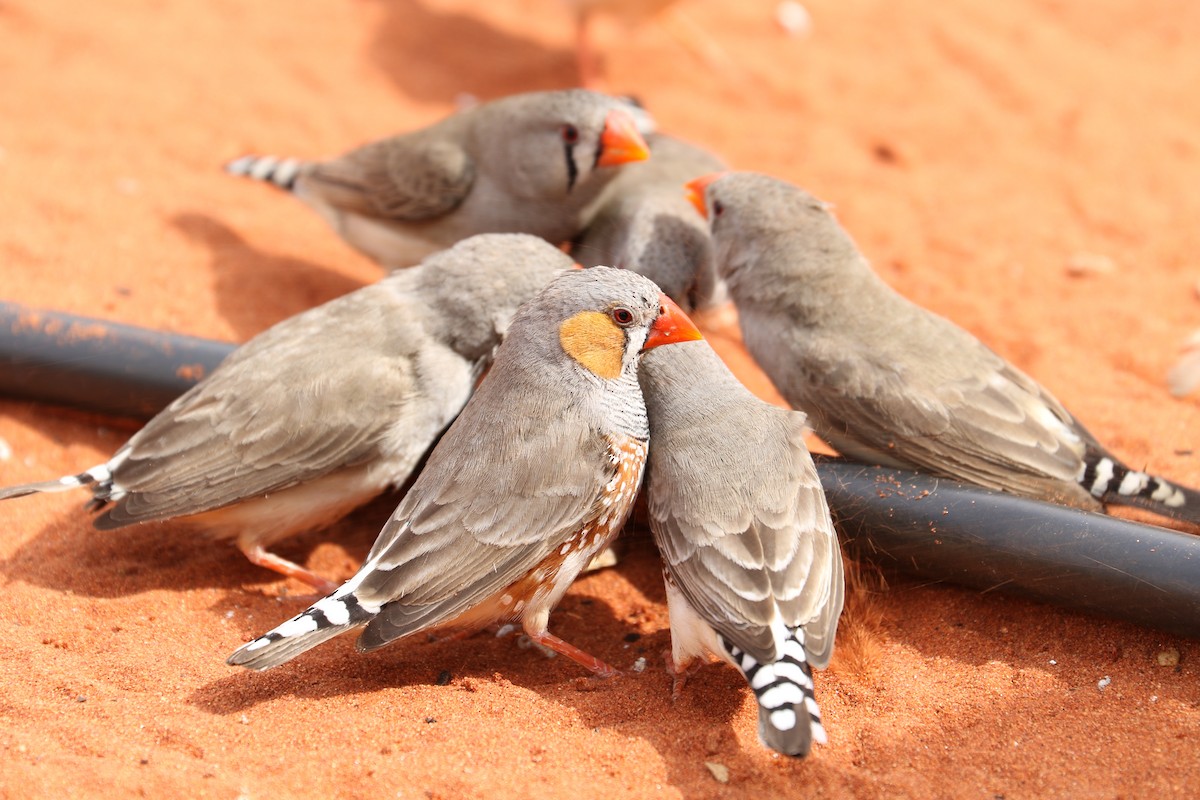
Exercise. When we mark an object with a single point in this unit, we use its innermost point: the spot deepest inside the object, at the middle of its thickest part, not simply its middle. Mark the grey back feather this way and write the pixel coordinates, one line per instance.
(882, 379)
(332, 387)
(645, 223)
(736, 506)
(412, 177)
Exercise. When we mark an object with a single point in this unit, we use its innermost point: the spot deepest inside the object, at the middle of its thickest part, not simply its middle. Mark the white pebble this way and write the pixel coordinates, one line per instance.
(1103, 683)
(1184, 377)
(793, 18)
(720, 772)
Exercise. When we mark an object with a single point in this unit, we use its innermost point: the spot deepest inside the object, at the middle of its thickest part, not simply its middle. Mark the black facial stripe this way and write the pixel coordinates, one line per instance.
(572, 167)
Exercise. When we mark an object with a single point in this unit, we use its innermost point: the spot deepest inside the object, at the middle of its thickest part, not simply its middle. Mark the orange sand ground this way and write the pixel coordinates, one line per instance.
(973, 148)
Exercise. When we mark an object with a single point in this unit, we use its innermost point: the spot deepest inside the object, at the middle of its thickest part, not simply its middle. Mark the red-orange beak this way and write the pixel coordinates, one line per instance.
(671, 326)
(694, 189)
(620, 143)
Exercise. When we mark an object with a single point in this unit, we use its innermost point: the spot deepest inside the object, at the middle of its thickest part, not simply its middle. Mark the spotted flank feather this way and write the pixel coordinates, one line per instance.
(789, 720)
(281, 172)
(1110, 481)
(324, 619)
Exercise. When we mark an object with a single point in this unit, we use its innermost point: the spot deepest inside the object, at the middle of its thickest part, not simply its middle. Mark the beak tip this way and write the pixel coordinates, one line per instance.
(695, 190)
(672, 326)
(621, 142)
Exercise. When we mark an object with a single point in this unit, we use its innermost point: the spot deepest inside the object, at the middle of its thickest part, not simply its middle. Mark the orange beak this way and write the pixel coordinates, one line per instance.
(620, 143)
(671, 326)
(694, 190)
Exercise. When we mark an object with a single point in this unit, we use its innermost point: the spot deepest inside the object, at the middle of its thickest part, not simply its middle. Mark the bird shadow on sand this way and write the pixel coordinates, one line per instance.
(459, 672)
(944, 622)
(253, 285)
(70, 555)
(434, 55)
(582, 618)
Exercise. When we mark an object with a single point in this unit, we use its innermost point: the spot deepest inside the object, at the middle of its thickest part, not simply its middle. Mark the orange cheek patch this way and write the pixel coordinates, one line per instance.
(595, 342)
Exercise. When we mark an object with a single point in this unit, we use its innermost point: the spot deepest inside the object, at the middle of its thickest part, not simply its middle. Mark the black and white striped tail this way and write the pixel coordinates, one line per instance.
(789, 720)
(97, 477)
(281, 172)
(1110, 481)
(324, 619)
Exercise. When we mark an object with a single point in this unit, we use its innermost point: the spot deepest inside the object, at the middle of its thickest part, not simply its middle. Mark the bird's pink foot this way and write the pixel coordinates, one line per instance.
(597, 667)
(259, 555)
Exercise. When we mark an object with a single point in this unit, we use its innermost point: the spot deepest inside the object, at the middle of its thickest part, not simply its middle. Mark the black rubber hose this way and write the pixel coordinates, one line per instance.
(934, 529)
(946, 531)
(96, 365)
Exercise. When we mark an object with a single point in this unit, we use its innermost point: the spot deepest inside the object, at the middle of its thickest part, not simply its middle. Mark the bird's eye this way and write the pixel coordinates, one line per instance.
(717, 208)
(570, 134)
(622, 316)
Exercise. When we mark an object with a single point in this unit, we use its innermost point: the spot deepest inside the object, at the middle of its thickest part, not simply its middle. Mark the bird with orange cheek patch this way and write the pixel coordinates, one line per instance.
(530, 163)
(536, 476)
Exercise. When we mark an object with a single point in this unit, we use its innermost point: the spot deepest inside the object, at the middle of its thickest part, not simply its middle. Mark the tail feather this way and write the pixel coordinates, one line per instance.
(89, 478)
(1110, 481)
(281, 172)
(323, 620)
(789, 720)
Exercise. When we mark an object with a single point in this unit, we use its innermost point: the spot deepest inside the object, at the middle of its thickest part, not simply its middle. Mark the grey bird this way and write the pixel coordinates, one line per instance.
(325, 410)
(887, 382)
(645, 224)
(751, 560)
(534, 478)
(529, 163)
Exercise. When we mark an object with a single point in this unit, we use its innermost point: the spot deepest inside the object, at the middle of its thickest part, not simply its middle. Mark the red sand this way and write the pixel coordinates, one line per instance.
(973, 148)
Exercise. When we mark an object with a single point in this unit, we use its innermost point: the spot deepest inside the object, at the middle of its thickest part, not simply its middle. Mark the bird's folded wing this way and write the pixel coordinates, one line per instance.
(289, 418)
(414, 177)
(992, 425)
(767, 545)
(484, 513)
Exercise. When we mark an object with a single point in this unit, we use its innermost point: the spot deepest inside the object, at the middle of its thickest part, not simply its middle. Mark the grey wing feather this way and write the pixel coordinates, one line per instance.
(417, 176)
(484, 512)
(272, 416)
(754, 543)
(960, 411)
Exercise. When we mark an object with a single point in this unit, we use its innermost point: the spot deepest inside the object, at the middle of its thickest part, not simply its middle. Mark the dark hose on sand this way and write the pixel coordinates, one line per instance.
(946, 531)
(928, 527)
